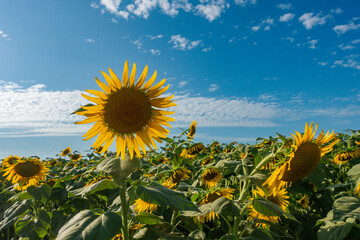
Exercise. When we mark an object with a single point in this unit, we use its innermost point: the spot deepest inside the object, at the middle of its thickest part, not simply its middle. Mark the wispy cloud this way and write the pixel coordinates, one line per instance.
(153, 37)
(337, 10)
(90, 40)
(350, 45)
(154, 51)
(313, 43)
(244, 3)
(183, 83)
(265, 24)
(211, 10)
(183, 43)
(284, 6)
(351, 61)
(4, 35)
(341, 29)
(309, 20)
(287, 17)
(213, 87)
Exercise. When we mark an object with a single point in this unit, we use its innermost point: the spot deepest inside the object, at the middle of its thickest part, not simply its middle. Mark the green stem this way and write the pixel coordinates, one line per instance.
(173, 217)
(124, 211)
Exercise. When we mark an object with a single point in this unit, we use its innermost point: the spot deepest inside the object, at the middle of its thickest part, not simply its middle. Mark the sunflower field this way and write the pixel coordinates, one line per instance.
(306, 186)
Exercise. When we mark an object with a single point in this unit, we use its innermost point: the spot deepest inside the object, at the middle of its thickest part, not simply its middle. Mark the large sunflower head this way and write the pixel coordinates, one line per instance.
(279, 198)
(192, 130)
(128, 112)
(65, 152)
(210, 177)
(9, 161)
(346, 156)
(26, 172)
(306, 155)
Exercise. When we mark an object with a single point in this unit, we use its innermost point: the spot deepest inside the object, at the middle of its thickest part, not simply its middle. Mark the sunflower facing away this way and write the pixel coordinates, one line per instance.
(176, 176)
(10, 160)
(127, 112)
(75, 157)
(280, 199)
(210, 177)
(26, 172)
(192, 130)
(144, 206)
(192, 151)
(304, 158)
(344, 157)
(65, 152)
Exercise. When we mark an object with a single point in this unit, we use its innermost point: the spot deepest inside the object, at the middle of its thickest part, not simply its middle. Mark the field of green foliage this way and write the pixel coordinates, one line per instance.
(186, 190)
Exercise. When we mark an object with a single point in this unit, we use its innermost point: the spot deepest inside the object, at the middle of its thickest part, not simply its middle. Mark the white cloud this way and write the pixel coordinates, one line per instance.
(337, 10)
(341, 29)
(287, 17)
(183, 83)
(244, 3)
(313, 43)
(255, 28)
(350, 45)
(183, 43)
(267, 97)
(111, 5)
(211, 10)
(350, 61)
(90, 40)
(266, 23)
(206, 49)
(94, 5)
(155, 37)
(309, 20)
(155, 51)
(284, 6)
(4, 35)
(138, 43)
(213, 87)
(114, 20)
(322, 63)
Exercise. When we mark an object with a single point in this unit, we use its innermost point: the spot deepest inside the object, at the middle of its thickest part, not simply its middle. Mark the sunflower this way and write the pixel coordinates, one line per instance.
(346, 156)
(65, 152)
(128, 112)
(192, 151)
(210, 177)
(143, 206)
(75, 157)
(10, 160)
(211, 197)
(192, 130)
(280, 199)
(176, 176)
(206, 161)
(357, 190)
(304, 159)
(26, 172)
(53, 162)
(304, 201)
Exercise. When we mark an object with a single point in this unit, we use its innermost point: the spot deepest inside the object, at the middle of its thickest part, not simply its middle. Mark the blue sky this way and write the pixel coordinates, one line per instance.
(241, 68)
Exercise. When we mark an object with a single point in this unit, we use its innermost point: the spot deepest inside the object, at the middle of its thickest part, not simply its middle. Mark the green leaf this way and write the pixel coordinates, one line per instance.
(93, 188)
(317, 176)
(335, 230)
(229, 237)
(266, 207)
(148, 218)
(41, 193)
(259, 233)
(225, 207)
(12, 214)
(197, 235)
(346, 207)
(282, 138)
(160, 195)
(91, 225)
(33, 228)
(354, 173)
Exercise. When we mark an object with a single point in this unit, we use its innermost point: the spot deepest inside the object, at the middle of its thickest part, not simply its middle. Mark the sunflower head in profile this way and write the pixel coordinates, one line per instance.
(26, 172)
(192, 130)
(345, 156)
(280, 199)
(144, 206)
(304, 158)
(304, 201)
(211, 197)
(210, 177)
(75, 157)
(192, 151)
(9, 161)
(128, 112)
(207, 160)
(176, 176)
(66, 152)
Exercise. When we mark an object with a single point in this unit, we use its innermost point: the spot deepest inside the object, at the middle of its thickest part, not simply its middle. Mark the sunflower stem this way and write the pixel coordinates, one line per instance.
(124, 210)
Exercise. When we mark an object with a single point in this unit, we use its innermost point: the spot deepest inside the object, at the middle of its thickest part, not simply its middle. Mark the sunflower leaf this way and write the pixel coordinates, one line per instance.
(346, 207)
(335, 230)
(95, 187)
(267, 207)
(354, 173)
(41, 193)
(12, 214)
(91, 225)
(148, 218)
(160, 195)
(33, 228)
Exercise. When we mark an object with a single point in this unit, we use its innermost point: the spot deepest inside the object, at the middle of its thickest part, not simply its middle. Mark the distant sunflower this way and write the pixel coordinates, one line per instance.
(280, 199)
(163, 160)
(176, 176)
(53, 162)
(304, 159)
(192, 151)
(206, 161)
(65, 152)
(10, 160)
(26, 172)
(128, 112)
(211, 197)
(304, 201)
(357, 190)
(192, 130)
(346, 156)
(98, 179)
(75, 157)
(210, 177)
(143, 206)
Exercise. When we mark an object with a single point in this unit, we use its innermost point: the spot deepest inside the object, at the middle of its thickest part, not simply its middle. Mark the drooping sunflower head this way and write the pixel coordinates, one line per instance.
(345, 156)
(176, 176)
(306, 155)
(192, 151)
(65, 152)
(280, 199)
(192, 130)
(143, 206)
(9, 161)
(210, 177)
(26, 172)
(206, 161)
(127, 112)
(75, 157)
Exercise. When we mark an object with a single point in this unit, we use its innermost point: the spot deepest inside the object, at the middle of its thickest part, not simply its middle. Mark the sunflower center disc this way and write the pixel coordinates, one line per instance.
(127, 111)
(210, 176)
(305, 160)
(27, 169)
